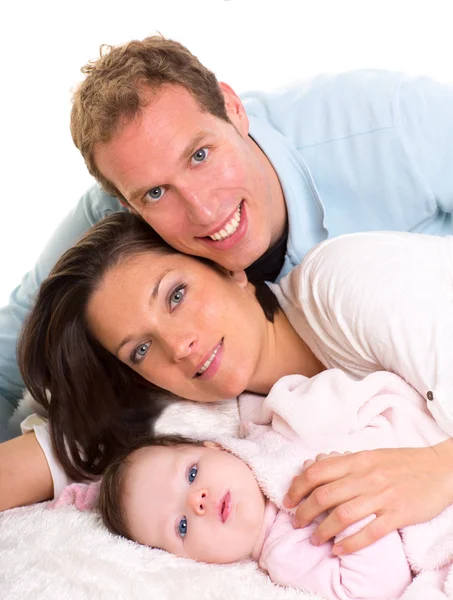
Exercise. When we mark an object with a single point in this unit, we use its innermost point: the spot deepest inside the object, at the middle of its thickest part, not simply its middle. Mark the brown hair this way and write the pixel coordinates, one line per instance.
(111, 503)
(98, 404)
(113, 92)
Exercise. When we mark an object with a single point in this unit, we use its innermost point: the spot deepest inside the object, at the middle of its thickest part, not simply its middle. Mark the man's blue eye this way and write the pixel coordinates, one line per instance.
(192, 474)
(200, 155)
(182, 527)
(155, 193)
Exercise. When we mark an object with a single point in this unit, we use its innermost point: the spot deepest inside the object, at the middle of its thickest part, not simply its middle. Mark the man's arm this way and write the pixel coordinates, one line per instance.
(424, 113)
(92, 207)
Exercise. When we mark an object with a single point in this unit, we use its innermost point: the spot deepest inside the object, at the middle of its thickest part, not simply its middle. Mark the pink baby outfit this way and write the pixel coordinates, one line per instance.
(378, 572)
(302, 417)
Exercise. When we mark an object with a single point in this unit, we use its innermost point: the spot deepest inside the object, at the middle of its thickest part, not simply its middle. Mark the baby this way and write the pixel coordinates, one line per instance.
(222, 501)
(199, 501)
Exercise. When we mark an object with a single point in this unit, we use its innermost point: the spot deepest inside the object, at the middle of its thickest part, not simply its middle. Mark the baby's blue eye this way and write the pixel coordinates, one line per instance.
(192, 474)
(182, 527)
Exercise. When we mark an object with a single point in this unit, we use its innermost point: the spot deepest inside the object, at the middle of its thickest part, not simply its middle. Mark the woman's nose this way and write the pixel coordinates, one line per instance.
(198, 501)
(181, 346)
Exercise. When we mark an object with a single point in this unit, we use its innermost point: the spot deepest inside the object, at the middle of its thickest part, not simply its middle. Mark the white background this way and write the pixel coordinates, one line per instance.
(247, 43)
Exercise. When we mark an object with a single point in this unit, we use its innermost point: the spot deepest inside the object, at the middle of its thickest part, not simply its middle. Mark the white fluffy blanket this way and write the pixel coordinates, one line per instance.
(65, 553)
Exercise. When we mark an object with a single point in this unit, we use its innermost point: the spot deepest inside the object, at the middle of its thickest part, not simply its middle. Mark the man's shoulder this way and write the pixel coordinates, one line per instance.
(97, 204)
(328, 106)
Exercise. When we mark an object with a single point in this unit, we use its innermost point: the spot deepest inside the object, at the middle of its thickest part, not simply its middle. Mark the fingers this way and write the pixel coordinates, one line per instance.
(374, 531)
(344, 515)
(310, 461)
(325, 498)
(317, 474)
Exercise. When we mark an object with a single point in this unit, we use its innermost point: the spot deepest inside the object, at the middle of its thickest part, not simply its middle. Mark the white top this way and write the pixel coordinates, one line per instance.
(380, 301)
(369, 302)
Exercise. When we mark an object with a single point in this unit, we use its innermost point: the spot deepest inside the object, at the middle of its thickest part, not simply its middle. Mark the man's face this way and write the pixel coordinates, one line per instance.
(202, 183)
(193, 501)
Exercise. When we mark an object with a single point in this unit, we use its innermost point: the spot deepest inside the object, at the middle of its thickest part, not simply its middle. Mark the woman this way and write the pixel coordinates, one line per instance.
(187, 326)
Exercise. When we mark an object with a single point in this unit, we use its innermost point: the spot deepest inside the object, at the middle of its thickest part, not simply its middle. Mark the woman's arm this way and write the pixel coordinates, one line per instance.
(24, 473)
(382, 301)
(402, 486)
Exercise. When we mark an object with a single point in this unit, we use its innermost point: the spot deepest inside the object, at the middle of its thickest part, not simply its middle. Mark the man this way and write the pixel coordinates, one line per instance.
(250, 183)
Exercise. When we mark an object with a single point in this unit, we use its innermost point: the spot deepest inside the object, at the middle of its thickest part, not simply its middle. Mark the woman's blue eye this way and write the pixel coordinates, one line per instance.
(182, 527)
(177, 296)
(140, 352)
(200, 155)
(192, 474)
(155, 193)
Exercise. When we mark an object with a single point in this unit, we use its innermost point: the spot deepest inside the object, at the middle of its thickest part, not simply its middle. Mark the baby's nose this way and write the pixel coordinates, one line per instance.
(198, 501)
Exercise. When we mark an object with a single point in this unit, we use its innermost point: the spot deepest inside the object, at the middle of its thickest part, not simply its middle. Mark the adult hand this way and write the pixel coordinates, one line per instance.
(401, 486)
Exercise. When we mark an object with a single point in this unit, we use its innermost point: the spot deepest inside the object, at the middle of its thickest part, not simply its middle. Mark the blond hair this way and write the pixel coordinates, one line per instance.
(113, 91)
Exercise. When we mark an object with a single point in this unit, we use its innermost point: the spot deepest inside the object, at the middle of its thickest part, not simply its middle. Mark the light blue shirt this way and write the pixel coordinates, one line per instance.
(359, 151)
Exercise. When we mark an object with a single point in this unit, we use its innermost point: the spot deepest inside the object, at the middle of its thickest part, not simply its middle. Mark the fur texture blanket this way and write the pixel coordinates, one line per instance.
(67, 553)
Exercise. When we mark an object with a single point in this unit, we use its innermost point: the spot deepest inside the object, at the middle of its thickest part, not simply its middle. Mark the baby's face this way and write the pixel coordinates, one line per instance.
(198, 502)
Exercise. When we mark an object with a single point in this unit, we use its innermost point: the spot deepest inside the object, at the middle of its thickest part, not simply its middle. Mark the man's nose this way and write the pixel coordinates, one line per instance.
(200, 205)
(198, 501)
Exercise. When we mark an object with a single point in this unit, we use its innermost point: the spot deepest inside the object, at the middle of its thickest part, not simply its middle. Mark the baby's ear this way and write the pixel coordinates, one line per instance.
(213, 445)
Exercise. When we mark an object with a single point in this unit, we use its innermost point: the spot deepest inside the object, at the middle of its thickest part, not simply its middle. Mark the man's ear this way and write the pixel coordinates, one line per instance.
(235, 109)
(126, 204)
(239, 277)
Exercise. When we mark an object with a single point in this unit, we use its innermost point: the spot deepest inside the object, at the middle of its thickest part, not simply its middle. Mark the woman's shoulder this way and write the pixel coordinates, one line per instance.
(357, 273)
(371, 254)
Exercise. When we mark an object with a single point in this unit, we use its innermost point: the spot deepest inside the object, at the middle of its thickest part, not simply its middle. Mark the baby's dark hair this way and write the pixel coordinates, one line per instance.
(111, 504)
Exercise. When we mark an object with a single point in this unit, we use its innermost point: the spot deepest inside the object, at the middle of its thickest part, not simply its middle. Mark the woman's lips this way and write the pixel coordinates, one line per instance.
(213, 367)
(225, 507)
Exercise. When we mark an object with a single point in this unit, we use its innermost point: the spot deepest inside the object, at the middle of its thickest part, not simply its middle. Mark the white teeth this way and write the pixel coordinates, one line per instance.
(208, 362)
(229, 228)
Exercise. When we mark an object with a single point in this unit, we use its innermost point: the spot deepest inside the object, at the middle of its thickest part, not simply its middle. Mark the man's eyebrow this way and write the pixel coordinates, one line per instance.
(154, 294)
(191, 147)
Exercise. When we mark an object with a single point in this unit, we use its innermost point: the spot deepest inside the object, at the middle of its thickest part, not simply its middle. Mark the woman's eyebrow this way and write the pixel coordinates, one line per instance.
(155, 290)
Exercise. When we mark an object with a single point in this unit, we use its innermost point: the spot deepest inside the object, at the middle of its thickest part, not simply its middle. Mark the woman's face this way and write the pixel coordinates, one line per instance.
(181, 324)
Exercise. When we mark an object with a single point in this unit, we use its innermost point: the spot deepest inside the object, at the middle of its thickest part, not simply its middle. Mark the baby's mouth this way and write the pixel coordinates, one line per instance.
(225, 507)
